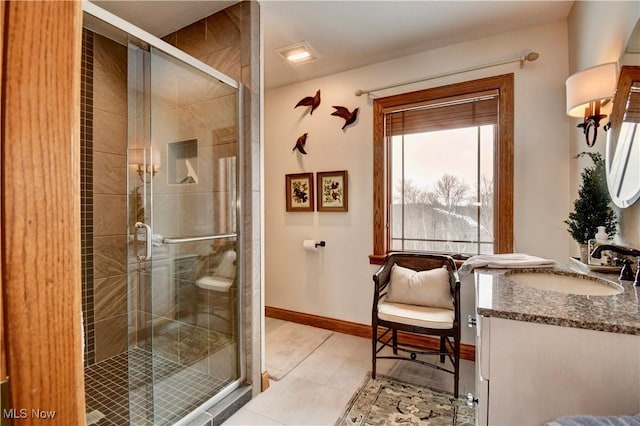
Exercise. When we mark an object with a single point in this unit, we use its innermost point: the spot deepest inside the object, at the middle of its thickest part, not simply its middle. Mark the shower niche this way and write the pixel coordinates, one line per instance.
(182, 160)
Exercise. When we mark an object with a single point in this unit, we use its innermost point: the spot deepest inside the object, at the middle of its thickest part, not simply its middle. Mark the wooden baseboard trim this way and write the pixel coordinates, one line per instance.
(467, 352)
(264, 385)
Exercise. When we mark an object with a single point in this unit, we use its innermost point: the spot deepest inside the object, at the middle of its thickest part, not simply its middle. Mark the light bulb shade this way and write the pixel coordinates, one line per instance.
(592, 84)
(155, 157)
(141, 156)
(136, 156)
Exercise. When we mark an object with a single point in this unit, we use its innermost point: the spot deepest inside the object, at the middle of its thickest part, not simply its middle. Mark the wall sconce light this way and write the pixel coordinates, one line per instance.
(587, 91)
(143, 167)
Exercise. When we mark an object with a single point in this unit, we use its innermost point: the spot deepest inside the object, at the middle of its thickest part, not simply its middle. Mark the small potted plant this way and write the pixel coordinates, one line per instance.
(592, 208)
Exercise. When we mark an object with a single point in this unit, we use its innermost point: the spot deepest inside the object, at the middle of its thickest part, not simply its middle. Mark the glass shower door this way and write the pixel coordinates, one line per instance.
(185, 130)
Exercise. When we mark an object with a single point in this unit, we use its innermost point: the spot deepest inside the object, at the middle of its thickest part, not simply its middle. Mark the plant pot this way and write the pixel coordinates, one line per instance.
(584, 254)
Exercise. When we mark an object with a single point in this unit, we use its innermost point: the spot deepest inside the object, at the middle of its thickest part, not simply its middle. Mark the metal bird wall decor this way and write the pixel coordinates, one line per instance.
(349, 117)
(312, 101)
(300, 143)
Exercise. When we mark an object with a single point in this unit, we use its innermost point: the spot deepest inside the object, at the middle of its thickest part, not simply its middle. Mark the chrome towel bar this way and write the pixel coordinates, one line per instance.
(181, 240)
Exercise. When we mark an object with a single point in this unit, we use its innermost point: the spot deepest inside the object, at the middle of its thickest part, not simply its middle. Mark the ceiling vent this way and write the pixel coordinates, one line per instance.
(298, 53)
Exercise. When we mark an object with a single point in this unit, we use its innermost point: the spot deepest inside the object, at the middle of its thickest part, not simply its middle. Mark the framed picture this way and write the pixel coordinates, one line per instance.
(299, 192)
(333, 191)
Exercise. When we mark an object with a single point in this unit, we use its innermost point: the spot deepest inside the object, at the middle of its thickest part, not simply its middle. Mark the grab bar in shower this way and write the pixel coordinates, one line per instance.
(182, 240)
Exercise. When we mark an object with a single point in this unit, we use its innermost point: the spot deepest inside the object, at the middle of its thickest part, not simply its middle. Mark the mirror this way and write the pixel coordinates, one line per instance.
(622, 157)
(623, 140)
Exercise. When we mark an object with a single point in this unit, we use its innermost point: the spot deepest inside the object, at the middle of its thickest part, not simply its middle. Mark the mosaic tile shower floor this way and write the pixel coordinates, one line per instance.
(121, 390)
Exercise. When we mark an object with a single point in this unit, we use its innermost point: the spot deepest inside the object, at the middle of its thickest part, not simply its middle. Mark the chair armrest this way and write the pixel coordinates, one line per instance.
(456, 294)
(456, 278)
(382, 276)
(380, 281)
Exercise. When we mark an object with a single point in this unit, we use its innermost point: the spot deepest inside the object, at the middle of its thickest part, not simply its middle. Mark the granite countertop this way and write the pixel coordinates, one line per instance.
(497, 296)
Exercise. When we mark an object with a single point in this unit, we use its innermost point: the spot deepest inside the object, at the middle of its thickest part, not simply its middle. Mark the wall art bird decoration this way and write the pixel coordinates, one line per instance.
(300, 143)
(349, 117)
(312, 101)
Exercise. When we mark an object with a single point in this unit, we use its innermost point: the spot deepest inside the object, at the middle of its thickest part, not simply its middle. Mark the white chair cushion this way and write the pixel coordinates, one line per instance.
(420, 316)
(221, 284)
(423, 288)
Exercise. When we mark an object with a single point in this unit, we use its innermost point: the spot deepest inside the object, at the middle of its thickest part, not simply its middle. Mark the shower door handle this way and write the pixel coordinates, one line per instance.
(147, 237)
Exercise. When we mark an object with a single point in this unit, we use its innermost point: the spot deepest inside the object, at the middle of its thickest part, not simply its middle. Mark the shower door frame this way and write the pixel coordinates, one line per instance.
(170, 50)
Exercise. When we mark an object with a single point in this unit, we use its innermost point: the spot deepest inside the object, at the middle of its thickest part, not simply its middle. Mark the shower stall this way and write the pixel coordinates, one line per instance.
(161, 228)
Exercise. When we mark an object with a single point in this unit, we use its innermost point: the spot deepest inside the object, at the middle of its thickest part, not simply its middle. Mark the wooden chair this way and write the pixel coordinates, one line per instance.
(415, 302)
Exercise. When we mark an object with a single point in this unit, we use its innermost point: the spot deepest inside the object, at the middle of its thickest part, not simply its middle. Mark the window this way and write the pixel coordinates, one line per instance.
(443, 169)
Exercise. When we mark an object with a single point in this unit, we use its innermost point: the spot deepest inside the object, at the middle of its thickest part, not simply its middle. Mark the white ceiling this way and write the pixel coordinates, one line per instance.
(351, 34)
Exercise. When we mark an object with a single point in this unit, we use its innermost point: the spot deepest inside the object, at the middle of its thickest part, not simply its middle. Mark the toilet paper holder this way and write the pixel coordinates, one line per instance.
(312, 245)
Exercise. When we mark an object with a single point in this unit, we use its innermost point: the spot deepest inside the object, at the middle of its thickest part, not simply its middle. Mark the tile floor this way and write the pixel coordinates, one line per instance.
(131, 389)
(317, 390)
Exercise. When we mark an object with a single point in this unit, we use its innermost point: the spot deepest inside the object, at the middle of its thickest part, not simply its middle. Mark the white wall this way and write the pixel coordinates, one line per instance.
(598, 33)
(336, 282)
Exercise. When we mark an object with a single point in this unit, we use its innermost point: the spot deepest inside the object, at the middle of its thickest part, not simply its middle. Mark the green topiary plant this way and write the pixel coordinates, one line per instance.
(592, 208)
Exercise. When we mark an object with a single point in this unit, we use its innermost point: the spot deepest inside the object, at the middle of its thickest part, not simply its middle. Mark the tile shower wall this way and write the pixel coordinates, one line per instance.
(103, 194)
(110, 197)
(86, 195)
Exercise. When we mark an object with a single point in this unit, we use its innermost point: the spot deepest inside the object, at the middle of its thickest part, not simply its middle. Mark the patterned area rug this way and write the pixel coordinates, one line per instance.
(384, 401)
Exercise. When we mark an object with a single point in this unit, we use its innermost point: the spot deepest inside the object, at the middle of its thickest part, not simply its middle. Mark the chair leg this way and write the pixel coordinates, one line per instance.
(443, 349)
(456, 367)
(395, 341)
(374, 346)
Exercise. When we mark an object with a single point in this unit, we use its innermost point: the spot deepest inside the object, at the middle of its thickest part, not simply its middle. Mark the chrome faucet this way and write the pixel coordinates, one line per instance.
(626, 273)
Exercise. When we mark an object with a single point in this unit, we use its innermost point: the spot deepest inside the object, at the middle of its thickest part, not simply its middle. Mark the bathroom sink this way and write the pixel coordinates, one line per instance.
(564, 282)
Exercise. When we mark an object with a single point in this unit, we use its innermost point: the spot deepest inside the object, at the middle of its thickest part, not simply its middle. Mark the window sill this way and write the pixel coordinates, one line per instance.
(377, 259)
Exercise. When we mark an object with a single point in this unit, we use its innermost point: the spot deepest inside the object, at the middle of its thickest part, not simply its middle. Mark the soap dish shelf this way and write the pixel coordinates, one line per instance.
(595, 268)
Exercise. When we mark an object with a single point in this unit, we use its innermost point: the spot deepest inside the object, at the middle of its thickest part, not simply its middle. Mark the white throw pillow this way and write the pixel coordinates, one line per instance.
(423, 288)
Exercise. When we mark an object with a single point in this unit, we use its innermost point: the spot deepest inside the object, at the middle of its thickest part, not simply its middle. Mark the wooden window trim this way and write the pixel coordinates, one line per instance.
(503, 158)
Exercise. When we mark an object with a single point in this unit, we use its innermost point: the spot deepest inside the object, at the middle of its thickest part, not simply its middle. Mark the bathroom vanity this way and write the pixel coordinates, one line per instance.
(542, 354)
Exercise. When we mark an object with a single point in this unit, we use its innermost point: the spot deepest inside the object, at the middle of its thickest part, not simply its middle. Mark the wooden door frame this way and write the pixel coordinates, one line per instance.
(4, 386)
(40, 215)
